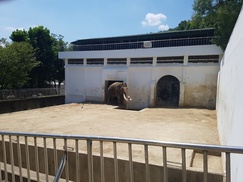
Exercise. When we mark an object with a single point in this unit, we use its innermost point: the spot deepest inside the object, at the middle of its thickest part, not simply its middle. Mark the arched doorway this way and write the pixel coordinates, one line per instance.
(168, 91)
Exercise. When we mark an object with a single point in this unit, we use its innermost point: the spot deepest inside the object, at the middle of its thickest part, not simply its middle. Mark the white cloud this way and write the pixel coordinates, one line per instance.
(13, 28)
(163, 27)
(153, 19)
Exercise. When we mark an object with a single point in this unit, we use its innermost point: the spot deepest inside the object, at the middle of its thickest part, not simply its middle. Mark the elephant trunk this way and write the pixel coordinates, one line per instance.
(127, 98)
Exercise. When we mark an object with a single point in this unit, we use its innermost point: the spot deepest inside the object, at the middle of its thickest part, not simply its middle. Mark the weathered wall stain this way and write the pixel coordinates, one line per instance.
(200, 96)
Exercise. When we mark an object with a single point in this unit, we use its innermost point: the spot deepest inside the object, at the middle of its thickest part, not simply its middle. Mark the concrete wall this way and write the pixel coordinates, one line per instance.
(230, 98)
(198, 81)
(30, 103)
(200, 86)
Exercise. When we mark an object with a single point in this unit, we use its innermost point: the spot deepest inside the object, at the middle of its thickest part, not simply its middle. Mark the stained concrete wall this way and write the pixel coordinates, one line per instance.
(230, 98)
(198, 81)
(197, 84)
(200, 86)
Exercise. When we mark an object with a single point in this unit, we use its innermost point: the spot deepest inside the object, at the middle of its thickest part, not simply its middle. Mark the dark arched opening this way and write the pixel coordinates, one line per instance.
(168, 91)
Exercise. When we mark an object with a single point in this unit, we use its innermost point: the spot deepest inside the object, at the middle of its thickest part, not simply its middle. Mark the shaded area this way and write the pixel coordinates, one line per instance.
(168, 91)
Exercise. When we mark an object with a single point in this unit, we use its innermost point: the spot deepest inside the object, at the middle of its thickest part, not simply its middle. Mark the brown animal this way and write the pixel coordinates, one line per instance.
(117, 90)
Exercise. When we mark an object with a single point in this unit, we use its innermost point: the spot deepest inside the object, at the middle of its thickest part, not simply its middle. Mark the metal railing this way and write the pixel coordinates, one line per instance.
(27, 93)
(34, 155)
(140, 44)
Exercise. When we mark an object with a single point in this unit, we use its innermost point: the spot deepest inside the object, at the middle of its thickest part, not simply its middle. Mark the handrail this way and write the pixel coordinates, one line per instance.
(227, 150)
(217, 148)
(61, 167)
(139, 44)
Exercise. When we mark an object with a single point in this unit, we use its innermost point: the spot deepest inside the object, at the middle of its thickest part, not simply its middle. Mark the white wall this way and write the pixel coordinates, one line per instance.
(230, 98)
(74, 84)
(139, 86)
(197, 81)
(201, 86)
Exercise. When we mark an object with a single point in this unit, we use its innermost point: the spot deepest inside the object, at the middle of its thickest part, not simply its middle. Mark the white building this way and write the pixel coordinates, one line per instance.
(162, 69)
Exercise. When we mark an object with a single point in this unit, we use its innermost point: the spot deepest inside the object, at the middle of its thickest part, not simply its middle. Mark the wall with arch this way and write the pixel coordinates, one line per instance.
(195, 67)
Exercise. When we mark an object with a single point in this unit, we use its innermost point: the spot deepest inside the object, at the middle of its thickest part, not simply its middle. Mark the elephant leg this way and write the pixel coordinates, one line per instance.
(118, 100)
(108, 99)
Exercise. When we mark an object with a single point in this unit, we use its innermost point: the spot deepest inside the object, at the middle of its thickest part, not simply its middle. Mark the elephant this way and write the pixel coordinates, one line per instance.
(117, 90)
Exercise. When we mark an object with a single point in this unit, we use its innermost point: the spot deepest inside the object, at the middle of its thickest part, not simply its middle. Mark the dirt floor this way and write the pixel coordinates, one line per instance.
(177, 125)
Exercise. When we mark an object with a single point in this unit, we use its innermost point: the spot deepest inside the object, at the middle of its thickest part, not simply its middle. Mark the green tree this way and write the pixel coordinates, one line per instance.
(19, 36)
(218, 14)
(47, 46)
(59, 45)
(16, 62)
(184, 25)
(42, 41)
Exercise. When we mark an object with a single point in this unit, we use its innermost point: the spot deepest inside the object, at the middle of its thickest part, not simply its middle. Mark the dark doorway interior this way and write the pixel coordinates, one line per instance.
(107, 84)
(168, 91)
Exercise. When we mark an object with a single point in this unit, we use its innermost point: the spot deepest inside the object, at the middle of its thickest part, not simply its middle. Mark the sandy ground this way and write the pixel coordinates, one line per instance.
(177, 125)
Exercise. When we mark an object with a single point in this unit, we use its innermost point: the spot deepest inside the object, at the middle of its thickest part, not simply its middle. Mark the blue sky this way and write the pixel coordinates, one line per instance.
(82, 19)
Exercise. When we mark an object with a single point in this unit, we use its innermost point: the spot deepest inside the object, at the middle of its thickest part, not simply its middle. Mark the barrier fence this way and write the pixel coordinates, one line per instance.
(43, 157)
(27, 93)
(144, 44)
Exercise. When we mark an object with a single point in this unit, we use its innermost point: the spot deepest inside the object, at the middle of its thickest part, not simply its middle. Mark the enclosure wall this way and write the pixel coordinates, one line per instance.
(230, 98)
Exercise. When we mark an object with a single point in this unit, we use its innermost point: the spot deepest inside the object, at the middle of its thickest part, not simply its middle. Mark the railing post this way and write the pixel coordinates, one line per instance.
(5, 159)
(102, 167)
(46, 159)
(183, 156)
(19, 159)
(205, 165)
(66, 166)
(36, 160)
(55, 154)
(165, 165)
(27, 157)
(115, 162)
(228, 175)
(90, 160)
(77, 161)
(11, 157)
(147, 163)
(130, 162)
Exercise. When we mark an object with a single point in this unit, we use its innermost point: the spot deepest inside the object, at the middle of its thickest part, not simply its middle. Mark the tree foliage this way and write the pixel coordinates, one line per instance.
(16, 62)
(41, 40)
(19, 36)
(46, 47)
(59, 45)
(218, 14)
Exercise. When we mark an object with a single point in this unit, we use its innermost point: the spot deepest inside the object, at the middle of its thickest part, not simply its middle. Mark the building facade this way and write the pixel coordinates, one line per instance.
(172, 69)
